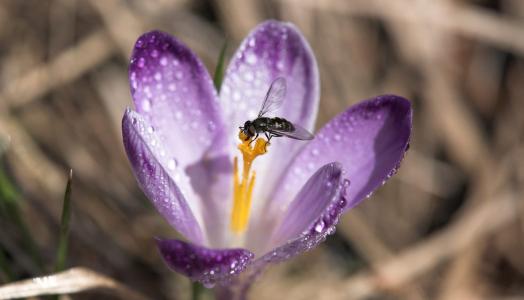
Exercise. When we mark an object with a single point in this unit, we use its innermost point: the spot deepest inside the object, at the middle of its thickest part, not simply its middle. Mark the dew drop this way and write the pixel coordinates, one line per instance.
(209, 285)
(179, 75)
(176, 178)
(337, 137)
(154, 53)
(150, 129)
(172, 164)
(248, 76)
(163, 61)
(319, 226)
(141, 62)
(236, 96)
(297, 171)
(147, 91)
(315, 152)
(146, 105)
(331, 230)
(171, 87)
(178, 115)
(158, 76)
(251, 59)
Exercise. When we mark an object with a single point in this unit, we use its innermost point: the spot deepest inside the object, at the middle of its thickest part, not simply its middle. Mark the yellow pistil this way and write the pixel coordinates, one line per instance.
(242, 190)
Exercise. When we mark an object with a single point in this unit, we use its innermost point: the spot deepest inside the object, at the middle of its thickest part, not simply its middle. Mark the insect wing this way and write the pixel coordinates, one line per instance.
(274, 97)
(299, 133)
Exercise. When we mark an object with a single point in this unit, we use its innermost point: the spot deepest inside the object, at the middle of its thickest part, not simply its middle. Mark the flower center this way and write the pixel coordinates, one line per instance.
(243, 189)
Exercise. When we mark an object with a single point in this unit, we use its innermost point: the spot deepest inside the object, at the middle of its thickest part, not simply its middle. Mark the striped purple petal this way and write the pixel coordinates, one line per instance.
(369, 140)
(157, 179)
(312, 201)
(273, 49)
(174, 93)
(208, 266)
(310, 237)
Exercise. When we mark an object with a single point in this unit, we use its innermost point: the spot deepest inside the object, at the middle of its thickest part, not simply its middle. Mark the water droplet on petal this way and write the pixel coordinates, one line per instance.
(236, 96)
(233, 264)
(146, 105)
(172, 164)
(319, 226)
(208, 285)
(251, 59)
(141, 62)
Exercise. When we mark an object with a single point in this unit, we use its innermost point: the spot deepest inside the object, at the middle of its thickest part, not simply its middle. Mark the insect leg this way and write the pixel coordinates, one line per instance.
(254, 139)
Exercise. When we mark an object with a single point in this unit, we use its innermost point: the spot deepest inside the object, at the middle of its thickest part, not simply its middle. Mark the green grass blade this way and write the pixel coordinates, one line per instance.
(10, 208)
(63, 243)
(219, 70)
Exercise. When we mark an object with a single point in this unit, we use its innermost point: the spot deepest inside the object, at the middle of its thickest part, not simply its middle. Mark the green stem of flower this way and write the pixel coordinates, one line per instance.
(219, 70)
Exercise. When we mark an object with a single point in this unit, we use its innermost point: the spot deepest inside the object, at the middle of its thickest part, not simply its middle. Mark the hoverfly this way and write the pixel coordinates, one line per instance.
(274, 127)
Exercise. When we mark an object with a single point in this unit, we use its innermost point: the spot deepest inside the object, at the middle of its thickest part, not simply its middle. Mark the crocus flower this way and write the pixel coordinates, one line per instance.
(182, 142)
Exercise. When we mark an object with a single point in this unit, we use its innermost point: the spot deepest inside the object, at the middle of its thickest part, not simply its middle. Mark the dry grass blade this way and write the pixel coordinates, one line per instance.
(461, 19)
(63, 69)
(74, 280)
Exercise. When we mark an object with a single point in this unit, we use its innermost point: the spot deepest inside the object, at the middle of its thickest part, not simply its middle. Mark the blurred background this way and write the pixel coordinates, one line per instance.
(448, 226)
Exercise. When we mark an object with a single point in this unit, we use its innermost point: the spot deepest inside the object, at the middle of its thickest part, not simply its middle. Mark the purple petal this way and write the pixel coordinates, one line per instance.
(369, 140)
(310, 203)
(315, 234)
(209, 266)
(273, 49)
(149, 166)
(173, 91)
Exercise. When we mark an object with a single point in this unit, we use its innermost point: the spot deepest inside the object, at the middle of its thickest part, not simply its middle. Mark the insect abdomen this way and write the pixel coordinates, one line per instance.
(282, 124)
